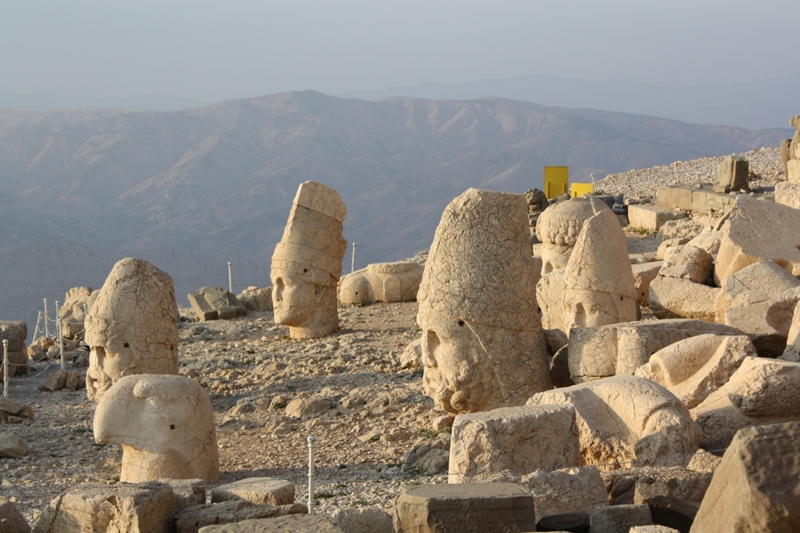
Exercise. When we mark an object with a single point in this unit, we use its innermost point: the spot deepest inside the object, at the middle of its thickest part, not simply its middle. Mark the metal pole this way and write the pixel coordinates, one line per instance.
(61, 344)
(36, 331)
(230, 278)
(353, 263)
(311, 475)
(6, 374)
(46, 318)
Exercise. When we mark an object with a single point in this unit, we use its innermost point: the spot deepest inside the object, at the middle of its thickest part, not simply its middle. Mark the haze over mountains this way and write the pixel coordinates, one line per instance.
(198, 187)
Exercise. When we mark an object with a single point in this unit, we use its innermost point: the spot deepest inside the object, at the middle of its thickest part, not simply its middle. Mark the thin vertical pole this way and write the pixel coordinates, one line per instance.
(61, 344)
(230, 277)
(38, 323)
(353, 262)
(6, 374)
(311, 475)
(46, 318)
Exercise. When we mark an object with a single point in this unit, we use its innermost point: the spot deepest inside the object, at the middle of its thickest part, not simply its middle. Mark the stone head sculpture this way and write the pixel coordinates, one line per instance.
(558, 228)
(165, 425)
(598, 280)
(482, 342)
(382, 282)
(307, 263)
(72, 313)
(132, 326)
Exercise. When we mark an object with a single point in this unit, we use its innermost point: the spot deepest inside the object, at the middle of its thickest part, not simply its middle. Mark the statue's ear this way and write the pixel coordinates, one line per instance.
(319, 292)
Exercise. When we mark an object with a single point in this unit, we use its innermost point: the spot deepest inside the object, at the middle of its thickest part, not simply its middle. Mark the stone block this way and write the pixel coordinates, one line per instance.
(792, 351)
(13, 447)
(284, 524)
(567, 522)
(651, 217)
(666, 244)
(755, 487)
(622, 348)
(732, 174)
(759, 282)
(188, 492)
(566, 490)
(363, 520)
(708, 241)
(515, 439)
(793, 171)
(212, 303)
(682, 298)
(620, 518)
(11, 520)
(145, 507)
(705, 202)
(687, 262)
(788, 194)
(674, 197)
(767, 323)
(194, 518)
(757, 230)
(643, 275)
(267, 490)
(464, 508)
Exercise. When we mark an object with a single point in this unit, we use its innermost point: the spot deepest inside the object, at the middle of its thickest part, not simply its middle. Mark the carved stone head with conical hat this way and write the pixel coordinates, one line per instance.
(308, 261)
(558, 228)
(482, 342)
(598, 281)
(132, 326)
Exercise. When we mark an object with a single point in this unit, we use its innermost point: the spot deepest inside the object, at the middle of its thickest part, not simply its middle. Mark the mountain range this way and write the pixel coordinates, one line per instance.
(198, 187)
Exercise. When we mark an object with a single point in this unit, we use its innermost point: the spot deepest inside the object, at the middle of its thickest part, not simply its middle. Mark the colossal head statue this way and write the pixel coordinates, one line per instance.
(482, 342)
(72, 313)
(598, 281)
(132, 326)
(382, 282)
(307, 263)
(558, 228)
(165, 425)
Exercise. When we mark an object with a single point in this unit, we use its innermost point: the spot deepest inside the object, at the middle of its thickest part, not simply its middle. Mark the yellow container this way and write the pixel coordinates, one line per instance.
(580, 189)
(556, 180)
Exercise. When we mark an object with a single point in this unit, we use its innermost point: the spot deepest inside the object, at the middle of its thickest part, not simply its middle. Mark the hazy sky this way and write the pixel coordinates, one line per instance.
(215, 50)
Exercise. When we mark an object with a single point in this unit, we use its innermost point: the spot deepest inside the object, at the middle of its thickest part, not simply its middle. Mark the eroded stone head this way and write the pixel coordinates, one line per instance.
(559, 226)
(73, 312)
(307, 263)
(482, 342)
(165, 425)
(132, 326)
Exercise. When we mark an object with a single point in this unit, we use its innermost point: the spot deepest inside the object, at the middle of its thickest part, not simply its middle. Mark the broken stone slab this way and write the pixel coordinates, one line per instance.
(708, 241)
(767, 323)
(682, 298)
(431, 456)
(650, 217)
(284, 524)
(788, 194)
(256, 298)
(97, 508)
(11, 520)
(761, 281)
(620, 518)
(12, 446)
(681, 228)
(188, 492)
(732, 174)
(194, 518)
(674, 197)
(622, 348)
(643, 275)
(215, 303)
(363, 520)
(793, 171)
(627, 420)
(267, 490)
(693, 368)
(688, 262)
(674, 482)
(755, 487)
(667, 244)
(704, 461)
(305, 407)
(762, 391)
(757, 230)
(517, 439)
(464, 508)
(566, 490)
(55, 382)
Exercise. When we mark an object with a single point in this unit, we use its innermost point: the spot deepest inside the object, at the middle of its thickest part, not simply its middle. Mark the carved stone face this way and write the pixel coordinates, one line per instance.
(554, 257)
(294, 298)
(583, 308)
(458, 375)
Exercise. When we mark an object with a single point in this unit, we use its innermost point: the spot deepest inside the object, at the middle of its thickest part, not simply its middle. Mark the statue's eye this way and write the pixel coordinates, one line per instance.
(461, 323)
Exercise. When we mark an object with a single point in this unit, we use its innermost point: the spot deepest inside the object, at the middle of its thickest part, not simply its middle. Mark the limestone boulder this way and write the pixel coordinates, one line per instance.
(687, 262)
(11, 446)
(267, 490)
(627, 419)
(694, 368)
(788, 194)
(215, 303)
(11, 520)
(732, 174)
(196, 518)
(792, 350)
(708, 241)
(363, 520)
(642, 484)
(682, 228)
(682, 298)
(550, 298)
(755, 487)
(759, 282)
(515, 439)
(283, 524)
(643, 275)
(620, 518)
(650, 217)
(256, 298)
(15, 332)
(762, 391)
(566, 490)
(767, 322)
(622, 348)
(382, 282)
(666, 244)
(759, 230)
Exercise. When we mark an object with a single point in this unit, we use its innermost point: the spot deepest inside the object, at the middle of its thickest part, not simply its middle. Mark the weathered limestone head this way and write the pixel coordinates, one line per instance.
(165, 425)
(598, 281)
(132, 326)
(558, 228)
(482, 342)
(307, 263)
(72, 313)
(382, 282)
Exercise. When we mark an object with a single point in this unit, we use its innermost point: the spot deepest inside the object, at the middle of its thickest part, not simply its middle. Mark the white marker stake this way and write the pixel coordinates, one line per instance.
(311, 475)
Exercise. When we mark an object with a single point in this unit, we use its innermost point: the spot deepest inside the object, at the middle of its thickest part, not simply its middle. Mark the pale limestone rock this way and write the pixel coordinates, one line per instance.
(687, 262)
(550, 298)
(412, 355)
(268, 490)
(132, 327)
(759, 230)
(620, 518)
(559, 226)
(755, 283)
(188, 492)
(627, 419)
(514, 439)
(72, 313)
(15, 332)
(693, 368)
(650, 217)
(145, 507)
(598, 280)
(732, 174)
(643, 275)
(667, 244)
(793, 169)
(307, 263)
(639, 484)
(165, 425)
(256, 298)
(704, 461)
(622, 348)
(788, 194)
(682, 228)
(11, 520)
(762, 391)
(382, 282)
(682, 298)
(363, 520)
(12, 446)
(566, 490)
(215, 303)
(652, 529)
(464, 508)
(767, 322)
(293, 523)
(755, 487)
(194, 519)
(792, 351)
(708, 241)
(482, 342)
(432, 456)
